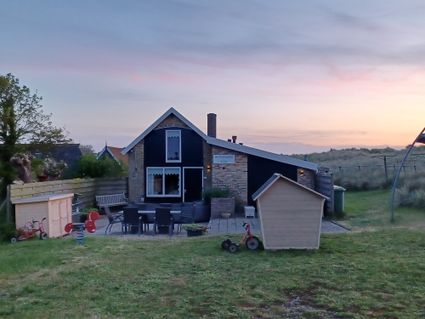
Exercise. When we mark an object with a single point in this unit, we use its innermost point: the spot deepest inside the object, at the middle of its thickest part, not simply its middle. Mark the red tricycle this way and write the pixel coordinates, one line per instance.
(251, 242)
(30, 230)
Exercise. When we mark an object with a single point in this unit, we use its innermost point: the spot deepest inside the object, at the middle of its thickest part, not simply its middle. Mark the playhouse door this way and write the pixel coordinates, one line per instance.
(193, 182)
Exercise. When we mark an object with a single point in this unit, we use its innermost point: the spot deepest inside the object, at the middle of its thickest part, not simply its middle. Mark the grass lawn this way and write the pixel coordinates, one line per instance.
(357, 275)
(371, 209)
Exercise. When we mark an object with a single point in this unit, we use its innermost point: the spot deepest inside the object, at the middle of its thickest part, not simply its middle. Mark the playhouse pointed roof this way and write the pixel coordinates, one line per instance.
(275, 177)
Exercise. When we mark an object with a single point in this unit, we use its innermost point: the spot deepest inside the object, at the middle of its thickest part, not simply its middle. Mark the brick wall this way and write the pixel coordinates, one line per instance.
(171, 121)
(136, 173)
(306, 177)
(231, 176)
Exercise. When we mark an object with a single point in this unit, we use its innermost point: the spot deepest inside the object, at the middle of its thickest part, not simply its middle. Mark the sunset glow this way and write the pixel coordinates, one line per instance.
(286, 76)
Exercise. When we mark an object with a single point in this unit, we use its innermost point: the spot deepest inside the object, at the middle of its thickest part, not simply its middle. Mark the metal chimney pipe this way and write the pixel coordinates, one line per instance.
(212, 125)
(234, 138)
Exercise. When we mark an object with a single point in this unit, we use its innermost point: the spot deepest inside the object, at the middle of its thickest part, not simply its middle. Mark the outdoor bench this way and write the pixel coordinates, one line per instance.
(111, 200)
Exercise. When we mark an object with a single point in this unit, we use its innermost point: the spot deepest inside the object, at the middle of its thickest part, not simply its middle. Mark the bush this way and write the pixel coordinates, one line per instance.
(216, 192)
(412, 191)
(90, 166)
(7, 231)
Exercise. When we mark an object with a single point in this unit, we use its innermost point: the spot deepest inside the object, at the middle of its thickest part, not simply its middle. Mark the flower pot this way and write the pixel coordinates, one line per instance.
(193, 233)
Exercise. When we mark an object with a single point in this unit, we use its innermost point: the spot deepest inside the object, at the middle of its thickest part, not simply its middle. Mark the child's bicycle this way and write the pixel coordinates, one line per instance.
(31, 230)
(251, 242)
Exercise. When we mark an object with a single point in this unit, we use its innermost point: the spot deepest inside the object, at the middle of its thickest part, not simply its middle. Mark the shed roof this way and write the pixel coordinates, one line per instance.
(221, 143)
(276, 177)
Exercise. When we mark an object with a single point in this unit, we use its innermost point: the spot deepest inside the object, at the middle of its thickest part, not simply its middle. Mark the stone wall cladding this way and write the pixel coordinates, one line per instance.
(231, 176)
(222, 205)
(306, 177)
(171, 121)
(136, 176)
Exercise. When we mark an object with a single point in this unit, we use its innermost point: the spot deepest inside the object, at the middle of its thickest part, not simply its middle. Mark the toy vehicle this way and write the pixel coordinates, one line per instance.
(30, 230)
(251, 242)
(88, 225)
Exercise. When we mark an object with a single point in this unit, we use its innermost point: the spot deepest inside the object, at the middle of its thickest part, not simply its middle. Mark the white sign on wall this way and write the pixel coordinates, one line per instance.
(224, 159)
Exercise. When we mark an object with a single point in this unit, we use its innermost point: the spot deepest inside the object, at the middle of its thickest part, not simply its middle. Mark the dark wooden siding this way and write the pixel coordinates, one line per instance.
(261, 169)
(192, 154)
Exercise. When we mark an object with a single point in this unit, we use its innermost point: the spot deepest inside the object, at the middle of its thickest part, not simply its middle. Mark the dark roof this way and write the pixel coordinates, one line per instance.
(221, 143)
(69, 153)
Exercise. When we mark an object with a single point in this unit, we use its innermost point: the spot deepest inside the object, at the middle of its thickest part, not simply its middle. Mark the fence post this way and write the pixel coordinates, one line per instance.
(8, 205)
(385, 168)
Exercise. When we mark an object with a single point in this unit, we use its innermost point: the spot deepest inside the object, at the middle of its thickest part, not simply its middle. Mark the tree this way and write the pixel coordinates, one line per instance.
(22, 120)
(87, 150)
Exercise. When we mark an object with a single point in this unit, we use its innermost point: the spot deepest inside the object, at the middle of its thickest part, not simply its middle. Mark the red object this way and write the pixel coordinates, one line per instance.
(93, 216)
(68, 227)
(31, 229)
(90, 226)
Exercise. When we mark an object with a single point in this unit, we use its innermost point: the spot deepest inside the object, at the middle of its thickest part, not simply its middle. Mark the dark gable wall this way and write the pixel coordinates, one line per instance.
(192, 153)
(261, 169)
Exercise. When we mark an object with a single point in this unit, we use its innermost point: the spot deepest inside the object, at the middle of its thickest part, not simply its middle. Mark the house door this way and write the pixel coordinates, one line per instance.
(193, 183)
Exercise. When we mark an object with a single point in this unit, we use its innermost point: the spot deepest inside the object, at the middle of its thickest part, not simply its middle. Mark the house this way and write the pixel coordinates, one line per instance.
(70, 153)
(113, 153)
(290, 214)
(174, 161)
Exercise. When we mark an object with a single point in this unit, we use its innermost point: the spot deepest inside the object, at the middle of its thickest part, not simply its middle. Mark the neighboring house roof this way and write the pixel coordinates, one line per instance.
(69, 153)
(276, 177)
(115, 153)
(221, 143)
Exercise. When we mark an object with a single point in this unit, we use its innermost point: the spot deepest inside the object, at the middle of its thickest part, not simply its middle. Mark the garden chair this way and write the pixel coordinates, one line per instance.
(113, 219)
(163, 219)
(132, 219)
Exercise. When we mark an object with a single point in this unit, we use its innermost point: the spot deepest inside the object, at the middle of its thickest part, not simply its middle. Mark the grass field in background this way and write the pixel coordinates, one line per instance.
(371, 209)
(356, 275)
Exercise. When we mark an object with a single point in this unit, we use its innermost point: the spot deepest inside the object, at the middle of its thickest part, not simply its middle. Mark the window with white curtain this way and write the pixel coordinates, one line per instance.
(163, 181)
(173, 146)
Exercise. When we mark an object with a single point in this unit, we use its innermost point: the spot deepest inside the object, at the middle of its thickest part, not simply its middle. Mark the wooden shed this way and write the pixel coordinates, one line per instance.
(290, 214)
(55, 207)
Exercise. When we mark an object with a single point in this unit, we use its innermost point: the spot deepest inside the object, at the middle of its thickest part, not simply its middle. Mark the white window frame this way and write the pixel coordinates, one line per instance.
(166, 146)
(163, 182)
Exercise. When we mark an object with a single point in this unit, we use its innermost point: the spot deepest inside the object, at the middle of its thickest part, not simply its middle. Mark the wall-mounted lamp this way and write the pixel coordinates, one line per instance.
(208, 168)
(301, 172)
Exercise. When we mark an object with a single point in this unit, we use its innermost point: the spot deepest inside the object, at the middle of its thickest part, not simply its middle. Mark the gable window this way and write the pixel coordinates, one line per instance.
(173, 146)
(163, 181)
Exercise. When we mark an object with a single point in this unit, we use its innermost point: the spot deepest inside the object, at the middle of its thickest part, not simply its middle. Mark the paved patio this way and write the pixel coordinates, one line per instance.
(215, 227)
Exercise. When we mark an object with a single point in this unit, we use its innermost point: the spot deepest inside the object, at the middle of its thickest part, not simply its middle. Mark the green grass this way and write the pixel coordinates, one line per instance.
(371, 209)
(357, 275)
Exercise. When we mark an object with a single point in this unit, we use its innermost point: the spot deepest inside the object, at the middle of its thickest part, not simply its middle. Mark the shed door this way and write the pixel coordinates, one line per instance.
(193, 183)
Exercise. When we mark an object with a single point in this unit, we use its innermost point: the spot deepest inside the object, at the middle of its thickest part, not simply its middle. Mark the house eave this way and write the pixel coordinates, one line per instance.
(263, 154)
(171, 111)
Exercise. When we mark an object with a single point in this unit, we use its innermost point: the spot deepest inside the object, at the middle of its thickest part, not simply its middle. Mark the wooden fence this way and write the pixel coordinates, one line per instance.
(88, 188)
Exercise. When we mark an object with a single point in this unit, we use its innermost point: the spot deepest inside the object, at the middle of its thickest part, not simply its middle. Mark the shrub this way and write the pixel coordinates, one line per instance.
(215, 192)
(412, 191)
(7, 231)
(90, 166)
